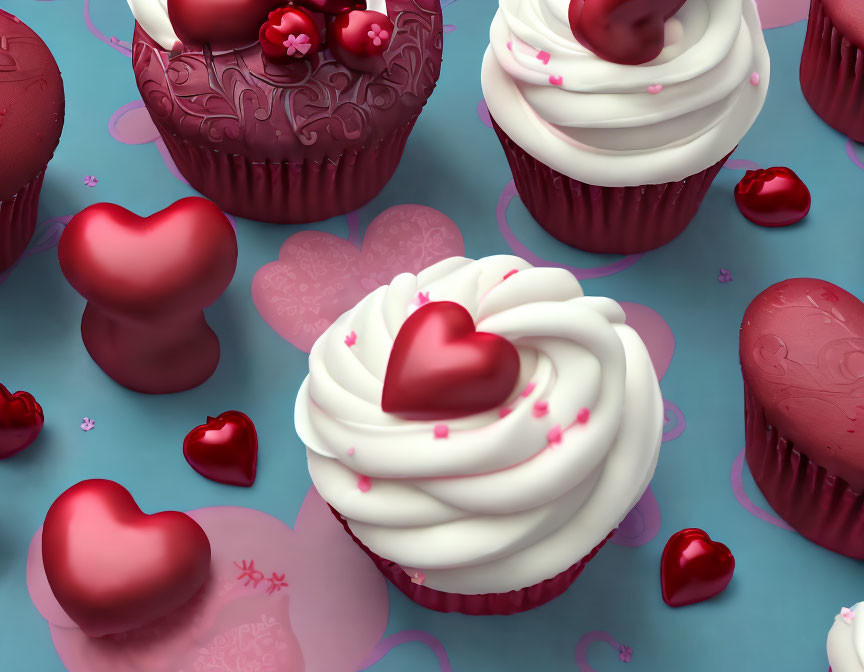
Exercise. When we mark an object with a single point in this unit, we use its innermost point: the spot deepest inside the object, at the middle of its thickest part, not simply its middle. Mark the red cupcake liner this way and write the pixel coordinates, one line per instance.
(606, 220)
(819, 505)
(832, 75)
(486, 604)
(18, 221)
(289, 193)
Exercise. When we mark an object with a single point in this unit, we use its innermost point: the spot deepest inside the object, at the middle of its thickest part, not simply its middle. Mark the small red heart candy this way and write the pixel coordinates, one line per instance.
(359, 39)
(630, 32)
(21, 420)
(225, 449)
(773, 197)
(694, 568)
(289, 34)
(219, 23)
(113, 568)
(441, 367)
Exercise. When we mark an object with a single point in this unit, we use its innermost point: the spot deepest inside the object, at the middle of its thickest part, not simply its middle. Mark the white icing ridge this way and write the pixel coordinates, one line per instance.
(152, 16)
(494, 507)
(846, 643)
(601, 125)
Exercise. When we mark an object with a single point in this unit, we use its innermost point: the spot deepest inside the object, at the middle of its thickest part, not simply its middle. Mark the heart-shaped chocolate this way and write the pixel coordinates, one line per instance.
(225, 449)
(772, 197)
(694, 568)
(441, 367)
(113, 568)
(21, 420)
(630, 32)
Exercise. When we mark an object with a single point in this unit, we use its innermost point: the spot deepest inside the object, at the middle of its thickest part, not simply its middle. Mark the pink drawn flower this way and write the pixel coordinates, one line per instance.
(90, 181)
(378, 35)
(625, 654)
(248, 572)
(297, 45)
(276, 583)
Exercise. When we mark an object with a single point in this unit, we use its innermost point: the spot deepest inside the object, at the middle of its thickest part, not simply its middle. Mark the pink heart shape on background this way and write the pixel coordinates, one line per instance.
(778, 13)
(319, 276)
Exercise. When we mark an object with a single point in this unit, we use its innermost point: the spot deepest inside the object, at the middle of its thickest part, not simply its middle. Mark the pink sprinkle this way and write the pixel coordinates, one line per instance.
(510, 46)
(584, 416)
(541, 408)
(422, 298)
(442, 431)
(847, 614)
(504, 412)
(364, 484)
(351, 339)
(529, 389)
(418, 578)
(544, 56)
(509, 273)
(654, 89)
(556, 80)
(755, 78)
(351, 451)
(555, 434)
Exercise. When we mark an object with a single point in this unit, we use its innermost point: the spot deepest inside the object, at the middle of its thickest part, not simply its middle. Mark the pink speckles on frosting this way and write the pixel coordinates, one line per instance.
(441, 431)
(351, 451)
(544, 56)
(654, 89)
(583, 416)
(540, 409)
(351, 339)
(529, 388)
(755, 78)
(556, 80)
(364, 484)
(847, 615)
(555, 435)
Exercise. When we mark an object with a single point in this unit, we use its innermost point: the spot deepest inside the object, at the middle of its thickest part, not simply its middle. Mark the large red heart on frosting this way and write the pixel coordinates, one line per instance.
(111, 567)
(694, 568)
(225, 449)
(630, 32)
(440, 367)
(177, 260)
(21, 420)
(220, 23)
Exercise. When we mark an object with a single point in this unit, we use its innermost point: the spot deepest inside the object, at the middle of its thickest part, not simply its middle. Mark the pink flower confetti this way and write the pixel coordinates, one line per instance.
(87, 424)
(541, 408)
(583, 416)
(847, 614)
(90, 181)
(544, 56)
(441, 431)
(725, 276)
(654, 89)
(276, 583)
(528, 389)
(755, 78)
(248, 572)
(351, 339)
(556, 80)
(625, 654)
(418, 577)
(297, 45)
(422, 298)
(377, 34)
(555, 435)
(364, 484)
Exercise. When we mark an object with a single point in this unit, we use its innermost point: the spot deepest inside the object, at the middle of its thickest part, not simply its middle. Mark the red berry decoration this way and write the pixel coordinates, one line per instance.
(694, 568)
(224, 450)
(290, 33)
(219, 23)
(629, 32)
(441, 367)
(772, 197)
(358, 39)
(21, 420)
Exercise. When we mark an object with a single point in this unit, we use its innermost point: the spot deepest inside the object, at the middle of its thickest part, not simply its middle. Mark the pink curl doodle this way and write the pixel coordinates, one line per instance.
(625, 653)
(118, 45)
(641, 525)
(386, 645)
(521, 250)
(746, 502)
(674, 424)
(47, 235)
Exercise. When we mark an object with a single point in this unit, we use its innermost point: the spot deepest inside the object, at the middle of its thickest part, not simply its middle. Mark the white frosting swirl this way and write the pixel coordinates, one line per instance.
(846, 643)
(495, 506)
(599, 123)
(152, 16)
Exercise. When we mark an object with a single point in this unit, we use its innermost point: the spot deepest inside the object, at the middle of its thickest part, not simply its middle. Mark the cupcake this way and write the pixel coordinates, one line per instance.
(830, 80)
(846, 641)
(481, 429)
(31, 119)
(291, 112)
(615, 123)
(802, 359)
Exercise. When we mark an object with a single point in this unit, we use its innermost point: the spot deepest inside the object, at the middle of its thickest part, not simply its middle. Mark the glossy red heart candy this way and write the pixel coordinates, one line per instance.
(630, 32)
(113, 568)
(219, 23)
(358, 39)
(21, 420)
(225, 449)
(441, 367)
(290, 33)
(773, 197)
(694, 568)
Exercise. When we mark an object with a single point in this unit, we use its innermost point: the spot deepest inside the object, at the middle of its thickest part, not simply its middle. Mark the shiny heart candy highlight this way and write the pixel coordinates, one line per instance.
(113, 568)
(441, 367)
(694, 568)
(773, 197)
(225, 449)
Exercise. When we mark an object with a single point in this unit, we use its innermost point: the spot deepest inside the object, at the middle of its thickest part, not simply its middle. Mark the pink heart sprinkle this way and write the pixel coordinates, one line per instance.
(441, 431)
(541, 408)
(351, 451)
(544, 56)
(556, 80)
(364, 484)
(351, 339)
(654, 89)
(422, 298)
(555, 434)
(583, 416)
(755, 79)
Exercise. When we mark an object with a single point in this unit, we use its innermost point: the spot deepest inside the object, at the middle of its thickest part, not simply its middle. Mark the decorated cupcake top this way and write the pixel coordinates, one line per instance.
(846, 641)
(626, 92)
(32, 104)
(483, 423)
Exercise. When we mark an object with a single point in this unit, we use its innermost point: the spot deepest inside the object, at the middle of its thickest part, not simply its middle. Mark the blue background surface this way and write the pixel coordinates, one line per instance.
(777, 611)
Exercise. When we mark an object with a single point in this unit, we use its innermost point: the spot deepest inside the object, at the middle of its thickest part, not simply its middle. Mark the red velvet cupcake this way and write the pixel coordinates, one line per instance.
(291, 112)
(802, 358)
(31, 120)
(831, 76)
